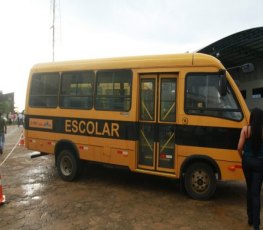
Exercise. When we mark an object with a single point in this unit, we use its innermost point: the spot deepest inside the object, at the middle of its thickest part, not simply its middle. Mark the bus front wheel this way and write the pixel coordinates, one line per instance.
(200, 181)
(67, 165)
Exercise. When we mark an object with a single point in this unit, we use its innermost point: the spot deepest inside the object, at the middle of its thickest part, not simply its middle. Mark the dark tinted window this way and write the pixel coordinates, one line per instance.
(244, 93)
(257, 93)
(44, 90)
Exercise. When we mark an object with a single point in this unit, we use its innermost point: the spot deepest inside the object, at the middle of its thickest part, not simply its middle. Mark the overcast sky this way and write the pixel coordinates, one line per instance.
(110, 28)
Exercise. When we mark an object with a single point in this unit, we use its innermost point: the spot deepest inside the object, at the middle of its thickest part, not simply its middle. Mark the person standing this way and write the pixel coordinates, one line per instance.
(20, 119)
(2, 133)
(250, 148)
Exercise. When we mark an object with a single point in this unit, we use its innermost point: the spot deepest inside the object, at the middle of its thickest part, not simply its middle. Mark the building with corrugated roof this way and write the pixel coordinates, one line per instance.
(237, 49)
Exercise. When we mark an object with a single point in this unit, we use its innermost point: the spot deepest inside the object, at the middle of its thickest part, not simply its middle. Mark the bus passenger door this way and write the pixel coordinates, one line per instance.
(157, 118)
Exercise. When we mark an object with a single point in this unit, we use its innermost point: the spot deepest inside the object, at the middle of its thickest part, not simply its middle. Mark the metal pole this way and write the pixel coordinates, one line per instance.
(53, 31)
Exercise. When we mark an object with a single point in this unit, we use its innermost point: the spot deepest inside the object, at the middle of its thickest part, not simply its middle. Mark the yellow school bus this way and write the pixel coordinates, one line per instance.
(176, 116)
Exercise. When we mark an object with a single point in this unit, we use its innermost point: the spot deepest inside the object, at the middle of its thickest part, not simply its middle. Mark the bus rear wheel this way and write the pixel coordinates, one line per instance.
(200, 181)
(68, 165)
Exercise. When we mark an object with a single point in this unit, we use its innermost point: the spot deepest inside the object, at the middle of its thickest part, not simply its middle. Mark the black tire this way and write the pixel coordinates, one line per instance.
(200, 181)
(68, 165)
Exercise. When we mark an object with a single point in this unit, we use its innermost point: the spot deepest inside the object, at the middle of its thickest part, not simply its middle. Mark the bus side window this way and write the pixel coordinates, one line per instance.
(113, 90)
(44, 90)
(77, 90)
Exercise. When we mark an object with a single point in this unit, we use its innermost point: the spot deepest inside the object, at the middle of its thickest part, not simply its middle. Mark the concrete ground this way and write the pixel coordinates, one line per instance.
(106, 198)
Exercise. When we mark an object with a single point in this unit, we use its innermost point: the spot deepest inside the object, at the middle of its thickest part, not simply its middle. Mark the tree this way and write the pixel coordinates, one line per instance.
(6, 107)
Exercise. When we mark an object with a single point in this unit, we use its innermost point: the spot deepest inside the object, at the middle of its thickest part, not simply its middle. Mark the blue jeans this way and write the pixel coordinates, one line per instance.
(2, 140)
(253, 171)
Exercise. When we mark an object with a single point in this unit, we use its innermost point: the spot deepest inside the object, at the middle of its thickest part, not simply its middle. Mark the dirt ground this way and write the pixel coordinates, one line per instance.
(106, 198)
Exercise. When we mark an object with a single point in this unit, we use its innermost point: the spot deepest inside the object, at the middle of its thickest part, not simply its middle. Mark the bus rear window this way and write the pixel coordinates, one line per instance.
(202, 97)
(44, 90)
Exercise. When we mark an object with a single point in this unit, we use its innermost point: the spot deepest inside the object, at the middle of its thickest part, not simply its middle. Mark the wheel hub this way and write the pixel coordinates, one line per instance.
(66, 166)
(200, 181)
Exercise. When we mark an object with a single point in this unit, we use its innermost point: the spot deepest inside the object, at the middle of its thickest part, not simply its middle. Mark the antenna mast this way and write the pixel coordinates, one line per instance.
(53, 30)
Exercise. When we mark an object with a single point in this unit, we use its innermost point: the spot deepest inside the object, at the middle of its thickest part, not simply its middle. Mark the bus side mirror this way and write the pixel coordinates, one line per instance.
(248, 68)
(222, 85)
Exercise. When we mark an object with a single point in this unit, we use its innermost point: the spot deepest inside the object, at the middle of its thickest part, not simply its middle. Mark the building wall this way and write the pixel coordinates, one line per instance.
(251, 84)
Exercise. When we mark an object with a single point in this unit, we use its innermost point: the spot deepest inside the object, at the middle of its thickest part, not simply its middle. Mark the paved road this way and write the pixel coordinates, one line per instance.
(106, 198)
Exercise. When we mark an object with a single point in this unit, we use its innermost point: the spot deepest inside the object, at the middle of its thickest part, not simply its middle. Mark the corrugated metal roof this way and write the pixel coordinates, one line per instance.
(238, 48)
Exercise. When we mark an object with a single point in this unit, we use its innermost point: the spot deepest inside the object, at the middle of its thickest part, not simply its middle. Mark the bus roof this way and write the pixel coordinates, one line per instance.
(133, 62)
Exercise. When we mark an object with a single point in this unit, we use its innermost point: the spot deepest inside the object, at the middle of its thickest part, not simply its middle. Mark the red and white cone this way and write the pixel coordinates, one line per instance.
(22, 140)
(2, 196)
